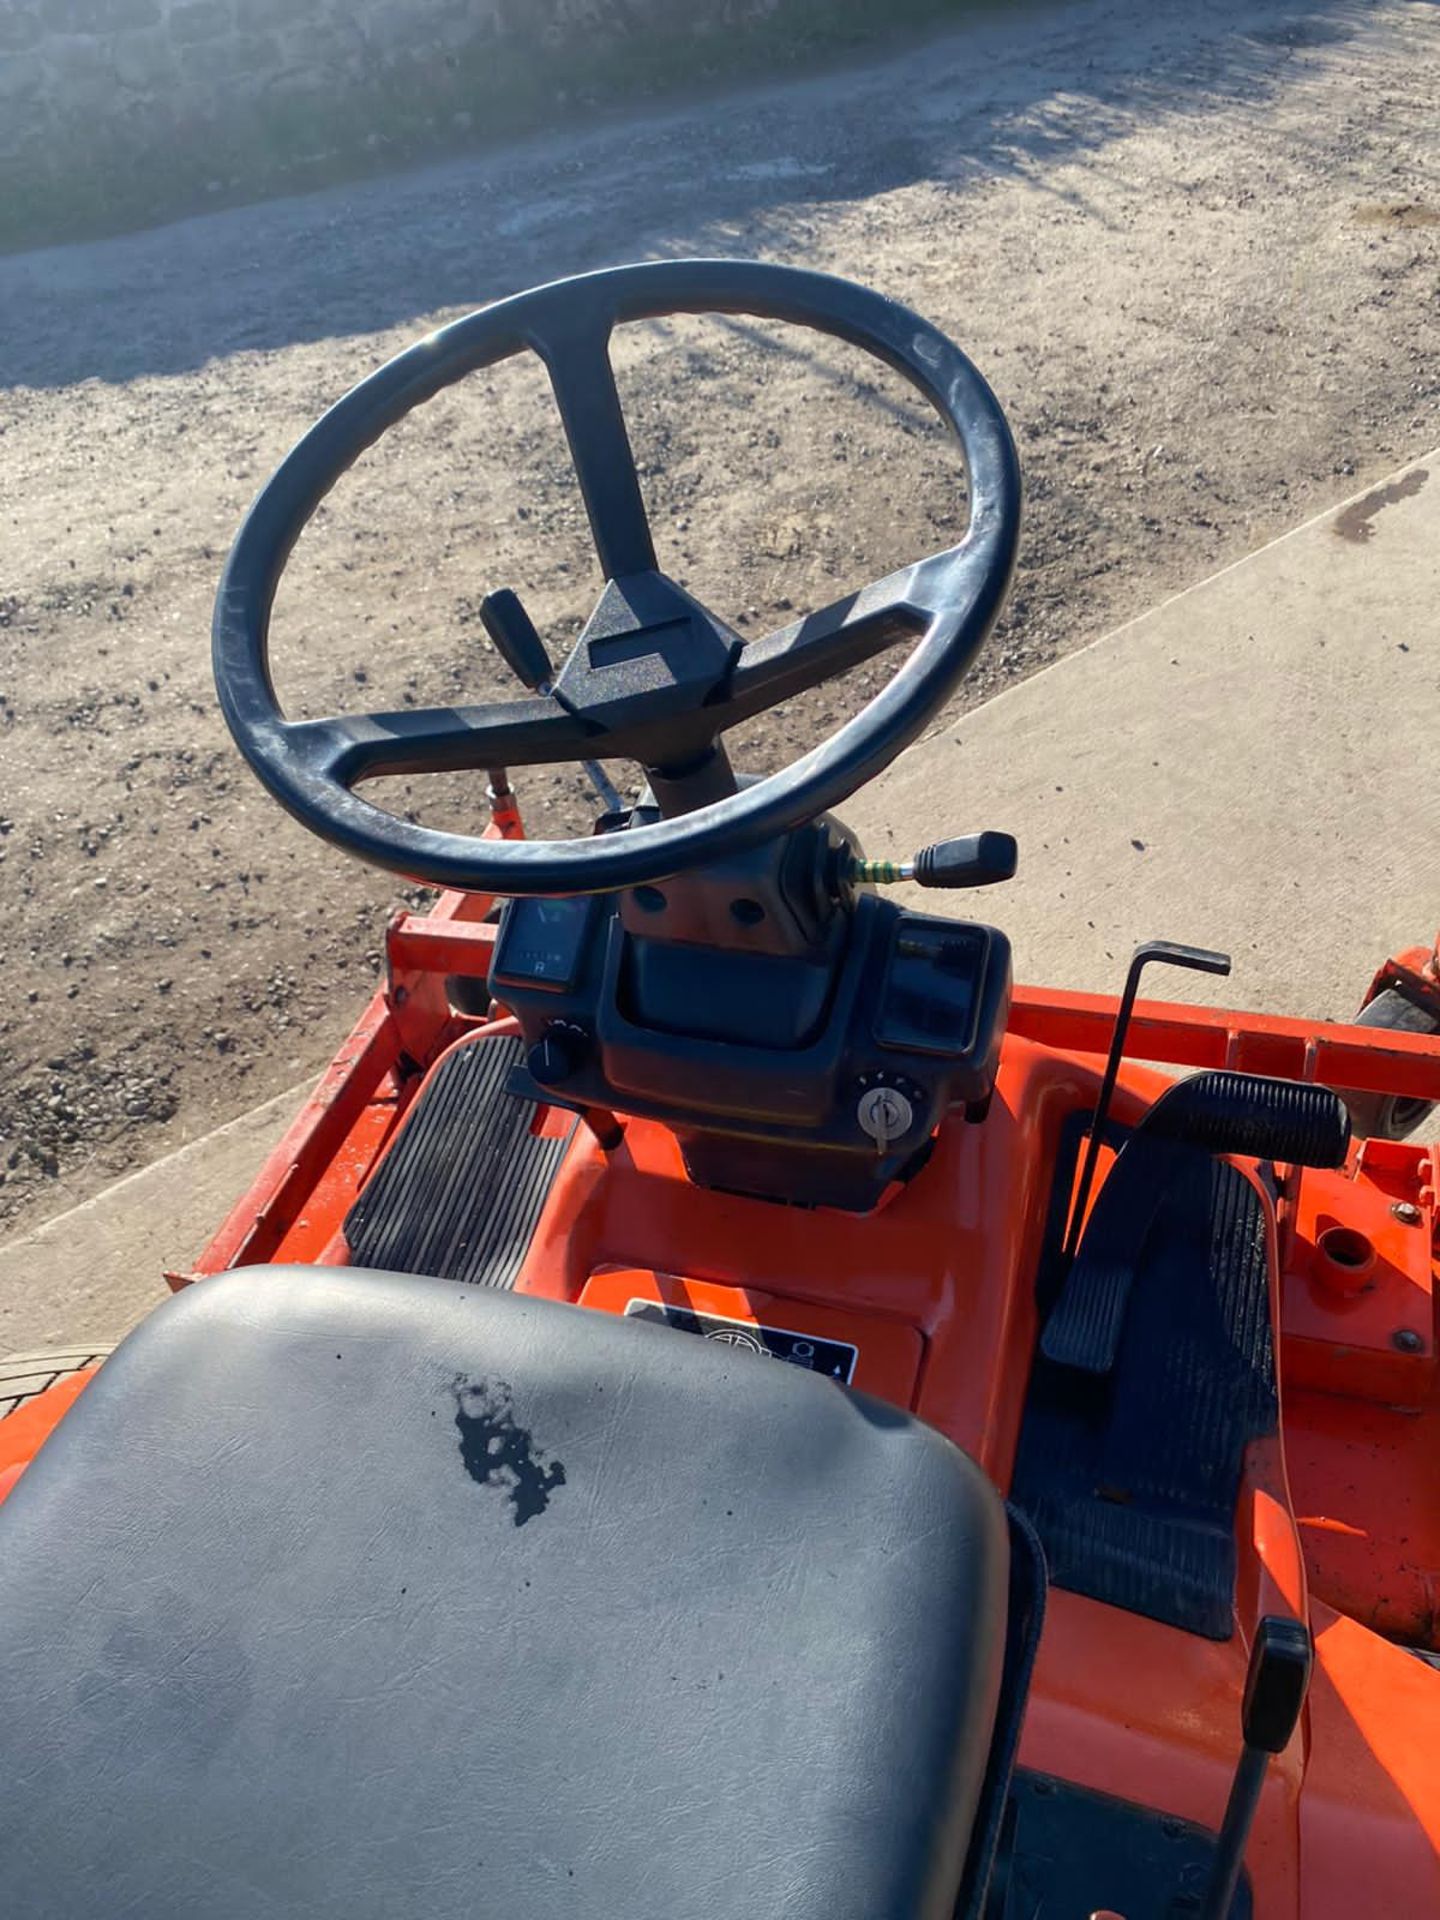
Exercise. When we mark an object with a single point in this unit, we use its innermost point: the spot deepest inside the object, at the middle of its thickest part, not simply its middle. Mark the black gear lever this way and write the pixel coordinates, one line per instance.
(1275, 1688)
(523, 651)
(516, 641)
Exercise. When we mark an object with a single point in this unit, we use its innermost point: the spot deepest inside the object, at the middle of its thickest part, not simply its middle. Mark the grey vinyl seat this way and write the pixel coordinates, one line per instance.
(352, 1594)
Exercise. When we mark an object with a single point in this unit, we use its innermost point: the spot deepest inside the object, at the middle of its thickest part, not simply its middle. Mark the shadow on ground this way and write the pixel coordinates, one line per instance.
(714, 177)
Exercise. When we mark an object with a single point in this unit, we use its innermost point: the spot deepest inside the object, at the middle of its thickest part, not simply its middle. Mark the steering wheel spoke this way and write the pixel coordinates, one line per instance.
(827, 642)
(350, 748)
(576, 353)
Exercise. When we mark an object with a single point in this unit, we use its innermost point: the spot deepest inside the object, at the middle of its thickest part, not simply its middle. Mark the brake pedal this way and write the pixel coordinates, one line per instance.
(1215, 1112)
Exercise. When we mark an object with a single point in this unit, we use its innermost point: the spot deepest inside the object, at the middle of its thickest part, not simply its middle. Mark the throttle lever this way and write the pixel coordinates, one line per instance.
(1275, 1687)
(974, 860)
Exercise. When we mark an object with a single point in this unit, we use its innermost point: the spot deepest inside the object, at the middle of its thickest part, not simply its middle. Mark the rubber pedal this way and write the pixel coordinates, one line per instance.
(1131, 1479)
(1252, 1115)
(1214, 1112)
(1084, 1329)
(462, 1186)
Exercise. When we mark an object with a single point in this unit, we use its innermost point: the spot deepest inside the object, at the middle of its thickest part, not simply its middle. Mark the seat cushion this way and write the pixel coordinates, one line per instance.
(356, 1594)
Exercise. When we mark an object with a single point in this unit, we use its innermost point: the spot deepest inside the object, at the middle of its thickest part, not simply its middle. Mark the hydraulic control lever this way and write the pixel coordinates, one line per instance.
(1167, 953)
(504, 618)
(518, 644)
(974, 860)
(1275, 1689)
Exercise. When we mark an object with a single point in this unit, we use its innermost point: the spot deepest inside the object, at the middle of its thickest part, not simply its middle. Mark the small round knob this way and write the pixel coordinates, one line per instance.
(556, 1056)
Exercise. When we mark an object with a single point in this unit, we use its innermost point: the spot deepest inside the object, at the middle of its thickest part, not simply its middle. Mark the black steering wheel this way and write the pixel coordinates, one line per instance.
(654, 677)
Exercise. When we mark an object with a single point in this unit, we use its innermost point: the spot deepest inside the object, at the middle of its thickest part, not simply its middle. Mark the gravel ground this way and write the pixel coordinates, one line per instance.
(1194, 249)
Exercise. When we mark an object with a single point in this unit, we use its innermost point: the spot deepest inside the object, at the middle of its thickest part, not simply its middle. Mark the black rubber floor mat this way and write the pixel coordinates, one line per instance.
(1131, 1478)
(461, 1188)
(1070, 1851)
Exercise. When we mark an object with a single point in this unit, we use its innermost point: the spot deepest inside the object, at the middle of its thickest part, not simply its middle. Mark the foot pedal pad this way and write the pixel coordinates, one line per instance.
(1084, 1330)
(1213, 1113)
(1259, 1118)
(1131, 1475)
(462, 1185)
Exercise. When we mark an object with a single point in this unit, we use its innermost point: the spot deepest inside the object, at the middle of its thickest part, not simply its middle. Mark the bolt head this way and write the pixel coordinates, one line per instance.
(1406, 1340)
(1406, 1211)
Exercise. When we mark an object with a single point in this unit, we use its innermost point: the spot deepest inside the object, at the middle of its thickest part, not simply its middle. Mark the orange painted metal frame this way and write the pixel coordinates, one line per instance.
(25, 1431)
(1127, 1706)
(1338, 1519)
(1370, 1059)
(888, 1355)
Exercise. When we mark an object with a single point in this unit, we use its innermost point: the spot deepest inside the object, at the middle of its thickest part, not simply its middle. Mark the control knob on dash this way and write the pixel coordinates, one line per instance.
(556, 1056)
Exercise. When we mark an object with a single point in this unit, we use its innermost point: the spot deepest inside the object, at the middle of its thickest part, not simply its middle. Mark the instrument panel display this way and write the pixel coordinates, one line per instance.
(542, 943)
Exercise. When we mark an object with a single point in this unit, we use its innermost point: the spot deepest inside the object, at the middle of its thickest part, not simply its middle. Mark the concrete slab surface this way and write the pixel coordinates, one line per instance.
(1249, 766)
(92, 1272)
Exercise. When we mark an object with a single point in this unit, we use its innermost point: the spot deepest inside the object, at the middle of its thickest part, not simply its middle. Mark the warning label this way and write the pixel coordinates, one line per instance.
(834, 1358)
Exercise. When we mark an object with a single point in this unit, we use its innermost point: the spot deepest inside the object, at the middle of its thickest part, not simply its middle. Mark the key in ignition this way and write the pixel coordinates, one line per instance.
(884, 1114)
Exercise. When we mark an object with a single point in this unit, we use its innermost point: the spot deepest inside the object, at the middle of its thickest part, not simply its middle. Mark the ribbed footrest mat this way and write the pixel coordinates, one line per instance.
(462, 1186)
(1131, 1478)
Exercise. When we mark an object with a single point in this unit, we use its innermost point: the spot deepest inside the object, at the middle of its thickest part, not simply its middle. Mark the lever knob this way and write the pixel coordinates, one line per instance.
(516, 641)
(556, 1056)
(977, 860)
